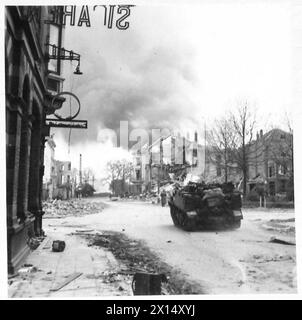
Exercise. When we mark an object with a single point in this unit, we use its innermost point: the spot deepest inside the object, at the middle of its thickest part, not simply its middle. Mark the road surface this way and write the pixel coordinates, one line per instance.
(225, 262)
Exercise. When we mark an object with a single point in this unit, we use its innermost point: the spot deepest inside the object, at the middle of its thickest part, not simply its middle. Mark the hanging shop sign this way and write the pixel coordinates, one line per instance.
(74, 124)
(73, 112)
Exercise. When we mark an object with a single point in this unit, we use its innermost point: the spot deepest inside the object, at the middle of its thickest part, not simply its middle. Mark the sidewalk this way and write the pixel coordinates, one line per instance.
(99, 271)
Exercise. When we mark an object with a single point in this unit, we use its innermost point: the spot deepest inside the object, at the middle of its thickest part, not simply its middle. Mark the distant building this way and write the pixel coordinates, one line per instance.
(49, 178)
(271, 161)
(166, 159)
(64, 186)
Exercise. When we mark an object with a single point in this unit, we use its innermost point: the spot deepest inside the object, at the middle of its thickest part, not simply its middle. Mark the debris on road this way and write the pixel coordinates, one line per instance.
(25, 269)
(281, 241)
(147, 283)
(58, 246)
(34, 242)
(67, 281)
(74, 207)
(136, 257)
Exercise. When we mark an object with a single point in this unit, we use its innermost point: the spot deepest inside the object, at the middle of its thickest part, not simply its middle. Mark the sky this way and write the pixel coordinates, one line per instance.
(176, 67)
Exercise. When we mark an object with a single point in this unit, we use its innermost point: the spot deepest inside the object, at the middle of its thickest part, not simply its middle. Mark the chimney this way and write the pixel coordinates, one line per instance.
(261, 133)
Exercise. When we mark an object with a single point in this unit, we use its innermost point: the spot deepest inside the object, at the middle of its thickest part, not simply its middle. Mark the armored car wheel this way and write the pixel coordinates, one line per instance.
(174, 215)
(236, 224)
(184, 221)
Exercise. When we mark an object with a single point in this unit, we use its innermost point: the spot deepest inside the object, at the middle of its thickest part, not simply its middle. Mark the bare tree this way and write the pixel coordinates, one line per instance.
(118, 170)
(221, 141)
(242, 123)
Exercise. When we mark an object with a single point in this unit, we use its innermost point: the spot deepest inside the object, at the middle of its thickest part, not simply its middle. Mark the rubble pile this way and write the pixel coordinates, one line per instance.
(73, 207)
(135, 256)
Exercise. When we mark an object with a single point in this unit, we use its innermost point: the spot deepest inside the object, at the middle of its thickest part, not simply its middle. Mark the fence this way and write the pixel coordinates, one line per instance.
(268, 204)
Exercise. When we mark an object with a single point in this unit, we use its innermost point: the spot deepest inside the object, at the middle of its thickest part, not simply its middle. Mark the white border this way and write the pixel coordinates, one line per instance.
(297, 99)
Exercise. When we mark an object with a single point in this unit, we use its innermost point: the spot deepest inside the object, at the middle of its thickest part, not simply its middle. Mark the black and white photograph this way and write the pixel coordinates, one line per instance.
(151, 149)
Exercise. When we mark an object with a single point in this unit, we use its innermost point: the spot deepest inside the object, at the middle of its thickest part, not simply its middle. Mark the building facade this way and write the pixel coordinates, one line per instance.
(271, 161)
(27, 102)
(165, 160)
(63, 182)
(269, 164)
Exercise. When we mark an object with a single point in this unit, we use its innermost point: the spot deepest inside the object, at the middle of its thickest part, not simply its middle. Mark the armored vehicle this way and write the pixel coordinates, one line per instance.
(206, 206)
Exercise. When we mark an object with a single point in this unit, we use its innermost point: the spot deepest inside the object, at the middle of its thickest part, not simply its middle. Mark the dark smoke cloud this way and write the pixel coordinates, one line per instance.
(130, 75)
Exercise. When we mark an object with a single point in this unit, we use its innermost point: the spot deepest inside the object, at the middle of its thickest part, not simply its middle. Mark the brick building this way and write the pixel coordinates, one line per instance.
(269, 163)
(27, 102)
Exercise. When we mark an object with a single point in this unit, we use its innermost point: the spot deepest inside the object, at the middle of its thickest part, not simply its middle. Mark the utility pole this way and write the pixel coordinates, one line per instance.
(80, 169)
(184, 150)
(205, 148)
(160, 167)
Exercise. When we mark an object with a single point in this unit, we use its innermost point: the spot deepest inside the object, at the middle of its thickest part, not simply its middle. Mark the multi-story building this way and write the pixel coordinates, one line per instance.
(166, 159)
(28, 100)
(63, 181)
(271, 161)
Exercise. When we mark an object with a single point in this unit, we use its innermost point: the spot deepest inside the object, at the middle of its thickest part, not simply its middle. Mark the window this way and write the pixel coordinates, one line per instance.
(282, 186)
(69, 166)
(55, 41)
(218, 171)
(282, 169)
(53, 85)
(271, 171)
(137, 174)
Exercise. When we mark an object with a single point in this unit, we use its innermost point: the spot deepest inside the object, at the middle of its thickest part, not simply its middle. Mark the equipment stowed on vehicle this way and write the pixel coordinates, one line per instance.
(205, 206)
